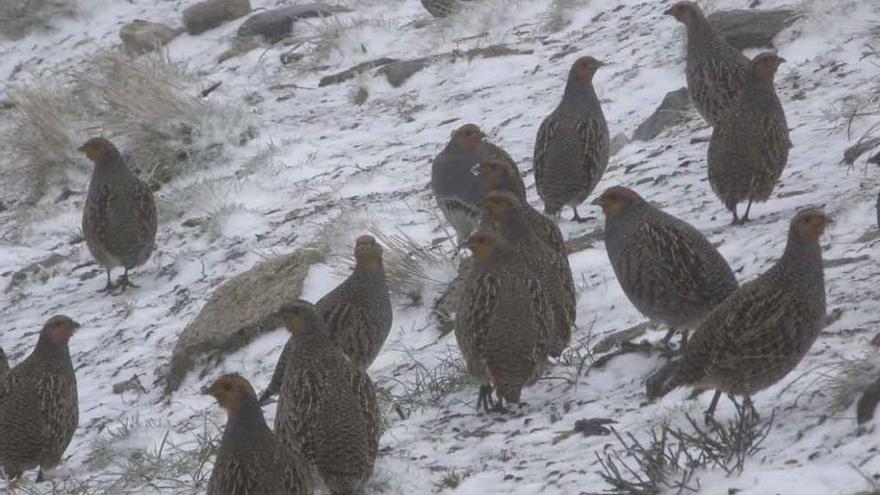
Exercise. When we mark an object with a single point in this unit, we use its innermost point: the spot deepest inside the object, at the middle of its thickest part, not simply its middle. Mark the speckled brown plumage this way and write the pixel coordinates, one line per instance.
(750, 143)
(327, 408)
(251, 460)
(572, 146)
(499, 176)
(4, 363)
(669, 271)
(459, 193)
(550, 266)
(39, 408)
(764, 329)
(504, 319)
(715, 71)
(119, 218)
(357, 313)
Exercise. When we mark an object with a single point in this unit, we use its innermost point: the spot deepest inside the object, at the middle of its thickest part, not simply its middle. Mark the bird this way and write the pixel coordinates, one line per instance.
(669, 271)
(550, 266)
(715, 71)
(459, 193)
(357, 313)
(442, 8)
(504, 320)
(251, 459)
(572, 145)
(119, 218)
(327, 408)
(4, 363)
(878, 210)
(750, 142)
(39, 405)
(498, 175)
(762, 331)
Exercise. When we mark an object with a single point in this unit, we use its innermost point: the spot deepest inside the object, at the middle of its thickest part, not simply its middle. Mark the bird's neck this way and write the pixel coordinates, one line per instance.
(701, 37)
(578, 95)
(246, 423)
(800, 260)
(53, 355)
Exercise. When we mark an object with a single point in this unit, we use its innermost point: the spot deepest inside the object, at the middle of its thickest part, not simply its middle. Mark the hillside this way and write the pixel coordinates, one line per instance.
(281, 163)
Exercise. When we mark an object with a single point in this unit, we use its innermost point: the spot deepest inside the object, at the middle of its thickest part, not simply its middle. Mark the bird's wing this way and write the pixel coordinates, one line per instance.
(549, 127)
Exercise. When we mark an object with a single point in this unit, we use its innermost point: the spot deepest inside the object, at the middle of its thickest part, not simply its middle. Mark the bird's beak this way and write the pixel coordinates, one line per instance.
(597, 201)
(75, 325)
(781, 60)
(668, 11)
(82, 149)
(206, 391)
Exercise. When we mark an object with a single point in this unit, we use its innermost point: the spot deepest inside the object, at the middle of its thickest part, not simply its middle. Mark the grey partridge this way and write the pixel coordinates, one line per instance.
(764, 329)
(251, 460)
(357, 313)
(715, 71)
(669, 271)
(572, 146)
(504, 320)
(39, 407)
(459, 193)
(750, 142)
(550, 266)
(327, 408)
(119, 218)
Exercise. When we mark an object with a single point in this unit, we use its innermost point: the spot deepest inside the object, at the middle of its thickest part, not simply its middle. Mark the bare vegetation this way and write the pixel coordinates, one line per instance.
(847, 378)
(20, 17)
(669, 461)
(414, 386)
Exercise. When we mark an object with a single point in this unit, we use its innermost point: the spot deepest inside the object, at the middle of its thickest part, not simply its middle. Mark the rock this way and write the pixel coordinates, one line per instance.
(276, 24)
(617, 339)
(617, 143)
(399, 72)
(752, 28)
(239, 310)
(447, 305)
(40, 270)
(209, 14)
(139, 36)
(354, 71)
(673, 110)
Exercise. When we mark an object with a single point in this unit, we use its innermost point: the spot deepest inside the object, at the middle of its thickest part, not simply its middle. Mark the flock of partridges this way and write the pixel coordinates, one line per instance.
(518, 306)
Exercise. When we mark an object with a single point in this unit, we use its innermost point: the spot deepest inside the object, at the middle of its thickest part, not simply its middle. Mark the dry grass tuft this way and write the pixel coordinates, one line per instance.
(846, 379)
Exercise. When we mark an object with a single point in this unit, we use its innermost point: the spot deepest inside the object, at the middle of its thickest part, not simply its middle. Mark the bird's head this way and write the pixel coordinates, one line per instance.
(615, 201)
(368, 253)
(496, 174)
(685, 12)
(809, 225)
(99, 150)
(58, 330)
(483, 242)
(299, 317)
(500, 205)
(764, 65)
(583, 70)
(468, 137)
(231, 391)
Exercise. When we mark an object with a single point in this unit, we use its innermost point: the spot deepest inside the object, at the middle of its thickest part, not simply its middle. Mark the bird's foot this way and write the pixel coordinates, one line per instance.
(124, 283)
(484, 399)
(40, 476)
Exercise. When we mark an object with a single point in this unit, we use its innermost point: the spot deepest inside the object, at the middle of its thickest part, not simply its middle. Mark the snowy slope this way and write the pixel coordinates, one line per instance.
(337, 167)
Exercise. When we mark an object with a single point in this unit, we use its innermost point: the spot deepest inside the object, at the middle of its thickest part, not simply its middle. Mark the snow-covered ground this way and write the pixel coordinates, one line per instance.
(343, 167)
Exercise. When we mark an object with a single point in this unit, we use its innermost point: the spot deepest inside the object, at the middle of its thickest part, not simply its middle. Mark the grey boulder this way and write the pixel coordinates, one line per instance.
(751, 28)
(240, 309)
(671, 111)
(209, 14)
(276, 24)
(140, 36)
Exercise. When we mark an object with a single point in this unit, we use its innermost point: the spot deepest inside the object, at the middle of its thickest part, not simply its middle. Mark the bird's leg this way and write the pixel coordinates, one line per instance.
(484, 399)
(665, 341)
(749, 406)
(745, 217)
(40, 477)
(109, 287)
(684, 340)
(709, 415)
(124, 281)
(736, 220)
(576, 217)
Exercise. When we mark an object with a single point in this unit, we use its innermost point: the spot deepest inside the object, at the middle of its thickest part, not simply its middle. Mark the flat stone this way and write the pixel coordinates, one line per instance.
(673, 110)
(38, 270)
(752, 28)
(240, 309)
(276, 24)
(353, 72)
(140, 36)
(209, 14)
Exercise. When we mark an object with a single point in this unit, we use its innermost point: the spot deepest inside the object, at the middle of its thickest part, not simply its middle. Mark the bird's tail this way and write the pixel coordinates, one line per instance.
(674, 374)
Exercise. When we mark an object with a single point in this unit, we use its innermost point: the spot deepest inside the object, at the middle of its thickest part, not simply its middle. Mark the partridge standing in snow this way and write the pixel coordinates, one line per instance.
(119, 218)
(458, 191)
(504, 320)
(550, 266)
(499, 176)
(764, 329)
(251, 460)
(750, 142)
(39, 408)
(669, 271)
(571, 150)
(715, 71)
(357, 313)
(327, 408)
